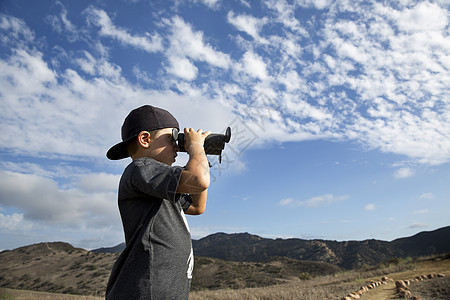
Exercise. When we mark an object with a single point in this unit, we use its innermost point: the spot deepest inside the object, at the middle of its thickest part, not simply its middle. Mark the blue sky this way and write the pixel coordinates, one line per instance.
(340, 113)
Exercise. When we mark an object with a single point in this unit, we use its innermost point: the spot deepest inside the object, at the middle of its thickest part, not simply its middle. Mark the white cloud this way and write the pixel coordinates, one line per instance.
(427, 196)
(392, 104)
(18, 32)
(319, 4)
(47, 114)
(285, 202)
(254, 65)
(379, 78)
(323, 200)
(303, 109)
(65, 113)
(98, 182)
(42, 200)
(185, 42)
(418, 225)
(212, 4)
(399, 78)
(245, 3)
(383, 84)
(147, 42)
(404, 173)
(62, 25)
(285, 14)
(99, 67)
(248, 24)
(369, 207)
(291, 80)
(425, 16)
(13, 222)
(182, 68)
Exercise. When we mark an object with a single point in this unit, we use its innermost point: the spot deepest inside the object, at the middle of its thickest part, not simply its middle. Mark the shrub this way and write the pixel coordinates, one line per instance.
(305, 276)
(394, 260)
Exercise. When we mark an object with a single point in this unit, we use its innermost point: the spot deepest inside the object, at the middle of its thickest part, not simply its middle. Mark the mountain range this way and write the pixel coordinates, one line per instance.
(245, 247)
(222, 261)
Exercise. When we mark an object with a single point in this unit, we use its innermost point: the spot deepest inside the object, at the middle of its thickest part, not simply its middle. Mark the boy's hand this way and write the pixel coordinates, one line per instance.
(194, 140)
(195, 177)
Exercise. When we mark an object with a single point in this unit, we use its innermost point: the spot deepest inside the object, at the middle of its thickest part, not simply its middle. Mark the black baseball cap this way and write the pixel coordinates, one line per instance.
(144, 118)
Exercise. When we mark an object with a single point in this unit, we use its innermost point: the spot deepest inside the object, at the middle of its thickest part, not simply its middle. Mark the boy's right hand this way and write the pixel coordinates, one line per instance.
(194, 140)
(195, 177)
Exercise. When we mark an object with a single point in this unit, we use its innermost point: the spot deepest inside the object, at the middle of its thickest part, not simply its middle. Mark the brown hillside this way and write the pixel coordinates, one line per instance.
(211, 273)
(55, 267)
(61, 268)
(318, 288)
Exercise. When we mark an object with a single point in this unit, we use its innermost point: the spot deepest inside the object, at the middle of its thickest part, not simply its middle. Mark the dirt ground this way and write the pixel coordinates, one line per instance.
(7, 294)
(436, 289)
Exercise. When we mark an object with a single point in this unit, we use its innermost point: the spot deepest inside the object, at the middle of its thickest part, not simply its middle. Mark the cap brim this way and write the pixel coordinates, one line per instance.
(118, 151)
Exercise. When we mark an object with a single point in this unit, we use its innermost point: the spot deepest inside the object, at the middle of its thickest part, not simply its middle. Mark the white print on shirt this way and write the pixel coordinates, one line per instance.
(190, 260)
(185, 221)
(191, 265)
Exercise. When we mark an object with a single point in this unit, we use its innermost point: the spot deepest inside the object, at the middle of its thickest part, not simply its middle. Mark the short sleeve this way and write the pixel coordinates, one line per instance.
(156, 179)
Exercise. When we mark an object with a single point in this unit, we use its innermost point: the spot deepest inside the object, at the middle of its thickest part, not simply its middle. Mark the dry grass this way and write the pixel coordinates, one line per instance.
(336, 286)
(7, 294)
(299, 290)
(436, 289)
(55, 268)
(322, 287)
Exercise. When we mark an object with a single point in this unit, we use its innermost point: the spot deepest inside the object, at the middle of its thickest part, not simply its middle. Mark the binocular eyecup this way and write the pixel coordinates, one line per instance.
(214, 143)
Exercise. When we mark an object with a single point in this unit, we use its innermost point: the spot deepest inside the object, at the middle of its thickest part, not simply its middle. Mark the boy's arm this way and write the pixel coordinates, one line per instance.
(195, 177)
(198, 204)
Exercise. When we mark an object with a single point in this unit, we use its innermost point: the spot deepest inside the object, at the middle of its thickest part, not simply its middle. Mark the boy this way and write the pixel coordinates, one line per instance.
(153, 197)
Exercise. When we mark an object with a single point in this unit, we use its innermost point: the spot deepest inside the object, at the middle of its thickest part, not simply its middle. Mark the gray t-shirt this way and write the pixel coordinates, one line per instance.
(157, 262)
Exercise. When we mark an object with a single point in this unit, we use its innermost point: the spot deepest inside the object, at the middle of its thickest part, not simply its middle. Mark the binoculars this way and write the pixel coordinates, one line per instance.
(214, 143)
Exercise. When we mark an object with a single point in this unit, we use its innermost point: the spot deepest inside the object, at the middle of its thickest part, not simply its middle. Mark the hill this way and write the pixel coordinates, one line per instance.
(55, 267)
(221, 261)
(61, 268)
(425, 243)
(245, 247)
(347, 254)
(304, 287)
(212, 273)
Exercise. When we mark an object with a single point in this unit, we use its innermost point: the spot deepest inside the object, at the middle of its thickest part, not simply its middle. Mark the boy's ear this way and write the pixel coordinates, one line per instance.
(144, 139)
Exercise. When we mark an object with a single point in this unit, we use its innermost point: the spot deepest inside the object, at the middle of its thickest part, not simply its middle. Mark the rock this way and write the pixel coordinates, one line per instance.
(401, 284)
(407, 294)
(402, 292)
(353, 296)
(361, 291)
